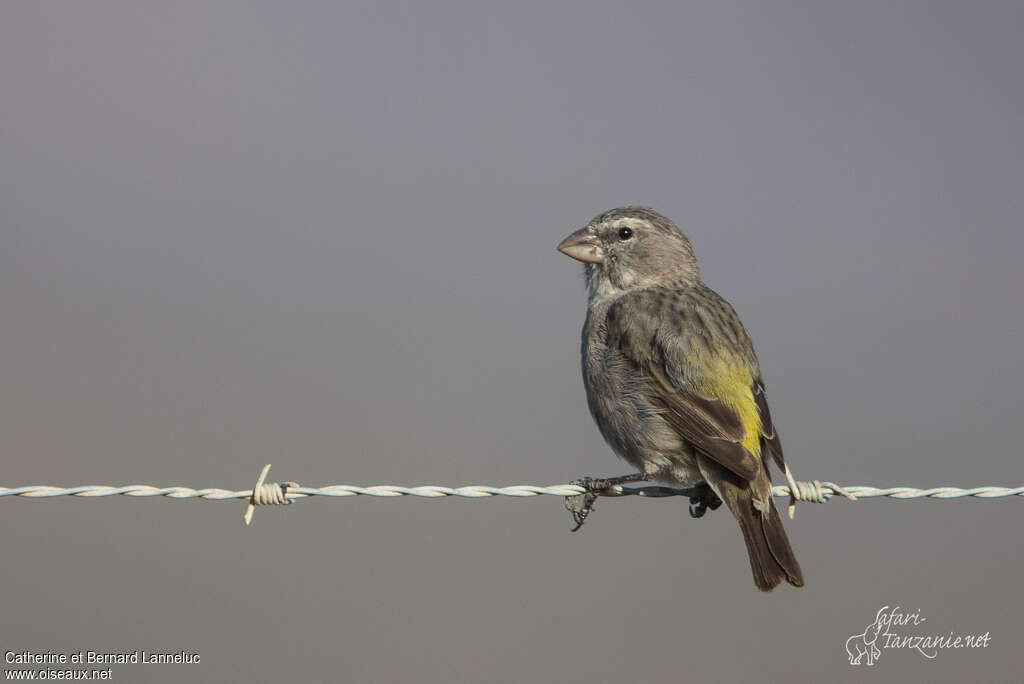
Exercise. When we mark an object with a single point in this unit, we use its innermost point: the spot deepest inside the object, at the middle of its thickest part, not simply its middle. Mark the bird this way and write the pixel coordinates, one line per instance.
(673, 382)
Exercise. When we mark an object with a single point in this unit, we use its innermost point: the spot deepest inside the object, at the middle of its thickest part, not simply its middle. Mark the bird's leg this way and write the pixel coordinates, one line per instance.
(581, 505)
(703, 500)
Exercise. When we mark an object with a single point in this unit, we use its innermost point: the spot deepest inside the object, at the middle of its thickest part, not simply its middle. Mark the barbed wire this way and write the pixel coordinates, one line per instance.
(287, 492)
(479, 491)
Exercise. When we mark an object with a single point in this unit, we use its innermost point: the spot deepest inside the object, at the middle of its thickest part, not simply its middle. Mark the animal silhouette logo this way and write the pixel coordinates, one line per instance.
(866, 643)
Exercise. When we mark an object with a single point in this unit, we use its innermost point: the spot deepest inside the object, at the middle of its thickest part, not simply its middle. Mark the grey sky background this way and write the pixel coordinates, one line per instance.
(322, 235)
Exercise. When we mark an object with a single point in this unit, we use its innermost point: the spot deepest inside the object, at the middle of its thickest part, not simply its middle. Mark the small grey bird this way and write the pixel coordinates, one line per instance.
(673, 382)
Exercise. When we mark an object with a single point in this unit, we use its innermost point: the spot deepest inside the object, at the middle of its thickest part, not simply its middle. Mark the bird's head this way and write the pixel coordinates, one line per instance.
(630, 248)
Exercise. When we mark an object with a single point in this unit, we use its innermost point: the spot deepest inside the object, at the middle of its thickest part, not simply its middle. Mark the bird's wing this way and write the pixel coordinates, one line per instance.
(772, 444)
(722, 417)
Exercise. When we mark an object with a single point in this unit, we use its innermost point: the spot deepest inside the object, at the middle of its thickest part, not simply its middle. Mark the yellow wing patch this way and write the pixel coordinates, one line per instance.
(729, 381)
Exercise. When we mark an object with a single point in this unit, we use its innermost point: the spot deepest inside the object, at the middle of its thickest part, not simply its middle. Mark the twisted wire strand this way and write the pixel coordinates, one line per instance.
(273, 493)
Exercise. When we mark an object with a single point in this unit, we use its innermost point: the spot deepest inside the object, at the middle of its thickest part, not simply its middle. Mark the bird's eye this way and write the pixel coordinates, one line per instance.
(625, 233)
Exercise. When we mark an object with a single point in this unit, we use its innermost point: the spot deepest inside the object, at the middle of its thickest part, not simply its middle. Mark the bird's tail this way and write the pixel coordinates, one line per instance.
(771, 557)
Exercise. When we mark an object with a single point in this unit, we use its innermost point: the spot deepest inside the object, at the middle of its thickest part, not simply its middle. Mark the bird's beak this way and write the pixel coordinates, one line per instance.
(582, 246)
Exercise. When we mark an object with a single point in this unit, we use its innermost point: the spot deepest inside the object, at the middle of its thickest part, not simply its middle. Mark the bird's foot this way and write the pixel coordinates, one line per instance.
(702, 501)
(581, 505)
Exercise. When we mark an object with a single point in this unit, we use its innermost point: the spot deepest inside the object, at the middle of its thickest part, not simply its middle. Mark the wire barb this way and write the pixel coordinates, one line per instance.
(267, 494)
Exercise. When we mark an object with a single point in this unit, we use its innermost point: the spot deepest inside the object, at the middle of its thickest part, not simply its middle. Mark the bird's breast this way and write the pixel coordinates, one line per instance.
(619, 400)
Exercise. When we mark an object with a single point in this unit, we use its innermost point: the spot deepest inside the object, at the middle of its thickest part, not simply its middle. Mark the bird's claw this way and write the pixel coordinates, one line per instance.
(698, 507)
(701, 503)
(580, 505)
